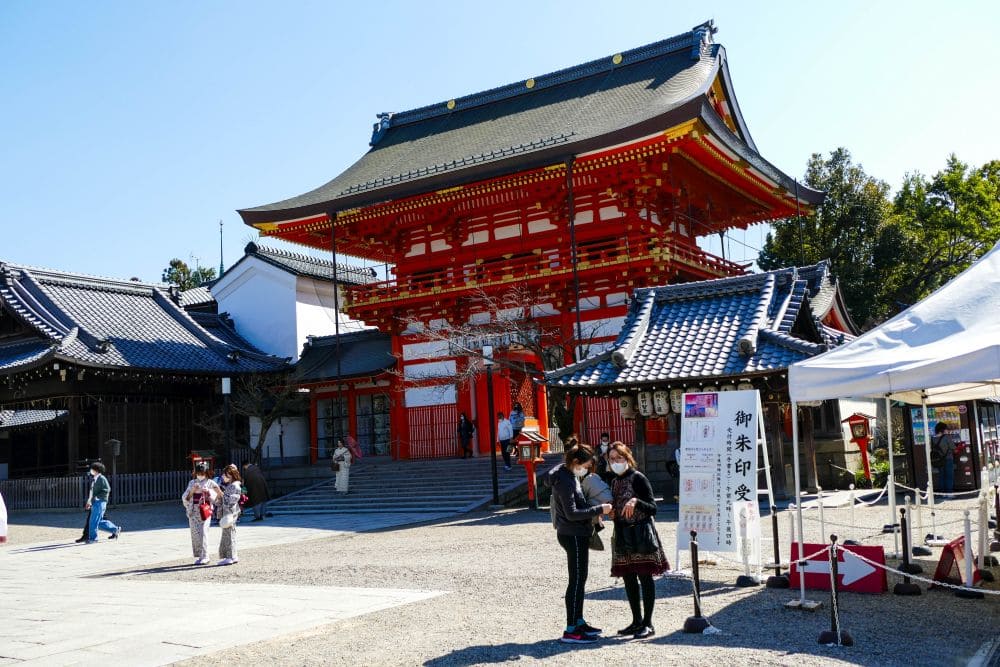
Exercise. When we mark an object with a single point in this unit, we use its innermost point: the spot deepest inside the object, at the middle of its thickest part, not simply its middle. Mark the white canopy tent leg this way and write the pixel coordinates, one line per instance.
(892, 477)
(930, 472)
(802, 602)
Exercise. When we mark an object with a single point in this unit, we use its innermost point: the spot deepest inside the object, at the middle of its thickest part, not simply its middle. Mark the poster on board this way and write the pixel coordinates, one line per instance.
(718, 465)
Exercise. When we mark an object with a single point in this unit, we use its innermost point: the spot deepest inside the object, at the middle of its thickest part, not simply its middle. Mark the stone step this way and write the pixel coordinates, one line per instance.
(372, 510)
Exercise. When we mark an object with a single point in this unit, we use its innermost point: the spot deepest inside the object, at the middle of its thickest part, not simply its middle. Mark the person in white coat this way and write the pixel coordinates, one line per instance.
(505, 434)
(342, 457)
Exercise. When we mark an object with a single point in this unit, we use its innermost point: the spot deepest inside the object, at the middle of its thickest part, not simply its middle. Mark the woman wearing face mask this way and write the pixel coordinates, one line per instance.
(637, 553)
(573, 516)
(603, 471)
(199, 491)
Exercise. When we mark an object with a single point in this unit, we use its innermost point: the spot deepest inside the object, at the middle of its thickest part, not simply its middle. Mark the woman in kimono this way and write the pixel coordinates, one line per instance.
(343, 458)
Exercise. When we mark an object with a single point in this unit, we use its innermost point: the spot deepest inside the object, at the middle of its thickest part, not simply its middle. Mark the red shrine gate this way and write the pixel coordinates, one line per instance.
(485, 227)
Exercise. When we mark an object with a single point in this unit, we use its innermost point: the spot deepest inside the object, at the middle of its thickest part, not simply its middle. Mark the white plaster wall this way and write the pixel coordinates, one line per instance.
(261, 300)
(315, 311)
(417, 397)
(295, 437)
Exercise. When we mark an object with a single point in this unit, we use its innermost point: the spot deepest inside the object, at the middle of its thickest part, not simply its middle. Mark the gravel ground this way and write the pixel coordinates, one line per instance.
(505, 574)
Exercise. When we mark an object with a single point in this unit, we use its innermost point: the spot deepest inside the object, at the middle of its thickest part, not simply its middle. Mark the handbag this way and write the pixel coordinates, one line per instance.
(637, 538)
(596, 543)
(227, 520)
(334, 466)
(206, 511)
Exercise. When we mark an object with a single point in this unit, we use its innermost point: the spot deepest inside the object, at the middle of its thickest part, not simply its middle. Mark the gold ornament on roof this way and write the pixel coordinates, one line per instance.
(530, 83)
(616, 59)
(451, 104)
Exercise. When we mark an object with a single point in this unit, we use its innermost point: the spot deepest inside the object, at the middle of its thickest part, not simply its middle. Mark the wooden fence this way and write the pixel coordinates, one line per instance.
(56, 492)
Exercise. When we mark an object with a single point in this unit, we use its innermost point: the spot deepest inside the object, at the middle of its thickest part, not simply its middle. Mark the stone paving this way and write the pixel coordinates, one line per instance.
(71, 604)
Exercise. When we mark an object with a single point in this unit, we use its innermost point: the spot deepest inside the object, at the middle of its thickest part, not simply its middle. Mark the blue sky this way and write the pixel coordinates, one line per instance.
(130, 129)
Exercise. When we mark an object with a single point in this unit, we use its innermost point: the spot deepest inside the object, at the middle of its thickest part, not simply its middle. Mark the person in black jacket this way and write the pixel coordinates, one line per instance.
(573, 522)
(465, 431)
(638, 559)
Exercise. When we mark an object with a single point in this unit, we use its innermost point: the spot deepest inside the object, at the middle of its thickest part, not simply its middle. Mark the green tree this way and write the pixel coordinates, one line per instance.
(938, 228)
(179, 273)
(845, 228)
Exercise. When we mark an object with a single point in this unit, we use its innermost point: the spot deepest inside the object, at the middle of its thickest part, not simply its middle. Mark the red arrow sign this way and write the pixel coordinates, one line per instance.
(854, 574)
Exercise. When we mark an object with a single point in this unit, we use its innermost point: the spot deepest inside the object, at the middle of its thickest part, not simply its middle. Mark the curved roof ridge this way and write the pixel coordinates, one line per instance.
(791, 342)
(747, 343)
(693, 39)
(35, 310)
(277, 254)
(622, 353)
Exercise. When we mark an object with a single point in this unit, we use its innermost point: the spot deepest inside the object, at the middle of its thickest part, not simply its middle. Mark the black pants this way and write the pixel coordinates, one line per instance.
(86, 527)
(577, 563)
(505, 450)
(634, 584)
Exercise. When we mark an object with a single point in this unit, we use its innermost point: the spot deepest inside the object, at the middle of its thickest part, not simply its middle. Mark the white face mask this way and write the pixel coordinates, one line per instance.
(604, 447)
(580, 472)
(200, 478)
(618, 467)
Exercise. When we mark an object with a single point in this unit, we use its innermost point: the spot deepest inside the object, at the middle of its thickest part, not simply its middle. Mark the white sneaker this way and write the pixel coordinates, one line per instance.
(226, 561)
(201, 561)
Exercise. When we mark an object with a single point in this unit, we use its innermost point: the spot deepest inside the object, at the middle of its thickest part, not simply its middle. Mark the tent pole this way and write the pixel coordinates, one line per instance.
(927, 453)
(798, 499)
(892, 467)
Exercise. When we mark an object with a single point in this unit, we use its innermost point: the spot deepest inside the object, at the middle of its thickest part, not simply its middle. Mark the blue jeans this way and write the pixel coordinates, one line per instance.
(97, 520)
(948, 474)
(258, 510)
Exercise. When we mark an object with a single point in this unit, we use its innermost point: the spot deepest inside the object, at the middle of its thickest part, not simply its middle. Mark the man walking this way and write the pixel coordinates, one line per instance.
(256, 489)
(100, 492)
(505, 433)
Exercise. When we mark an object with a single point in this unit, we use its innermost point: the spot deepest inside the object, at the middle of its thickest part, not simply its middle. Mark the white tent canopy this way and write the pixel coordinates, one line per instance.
(946, 347)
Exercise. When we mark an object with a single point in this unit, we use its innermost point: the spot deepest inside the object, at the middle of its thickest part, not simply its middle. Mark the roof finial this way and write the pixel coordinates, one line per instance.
(381, 127)
(701, 36)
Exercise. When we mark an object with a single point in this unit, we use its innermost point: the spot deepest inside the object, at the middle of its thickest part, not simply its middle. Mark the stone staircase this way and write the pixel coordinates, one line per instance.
(439, 486)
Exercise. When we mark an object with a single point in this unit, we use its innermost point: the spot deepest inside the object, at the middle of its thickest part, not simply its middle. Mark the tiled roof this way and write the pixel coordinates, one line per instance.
(710, 330)
(115, 324)
(535, 122)
(196, 296)
(19, 418)
(311, 267)
(362, 353)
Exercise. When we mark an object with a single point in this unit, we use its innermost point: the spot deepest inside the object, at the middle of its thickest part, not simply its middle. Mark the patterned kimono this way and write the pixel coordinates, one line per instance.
(230, 506)
(199, 528)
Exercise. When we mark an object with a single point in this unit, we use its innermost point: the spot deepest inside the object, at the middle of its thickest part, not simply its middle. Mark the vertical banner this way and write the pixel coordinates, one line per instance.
(718, 466)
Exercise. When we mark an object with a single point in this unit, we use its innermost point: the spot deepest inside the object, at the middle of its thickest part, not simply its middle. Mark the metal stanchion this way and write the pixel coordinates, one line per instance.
(835, 635)
(696, 623)
(776, 580)
(906, 527)
(995, 545)
(965, 592)
(916, 549)
(983, 532)
(906, 587)
(933, 539)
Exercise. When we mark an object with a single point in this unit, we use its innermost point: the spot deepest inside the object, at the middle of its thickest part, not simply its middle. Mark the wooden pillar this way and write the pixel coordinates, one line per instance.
(640, 442)
(773, 422)
(73, 434)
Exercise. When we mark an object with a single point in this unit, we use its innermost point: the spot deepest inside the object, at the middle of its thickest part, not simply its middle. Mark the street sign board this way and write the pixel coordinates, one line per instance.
(853, 573)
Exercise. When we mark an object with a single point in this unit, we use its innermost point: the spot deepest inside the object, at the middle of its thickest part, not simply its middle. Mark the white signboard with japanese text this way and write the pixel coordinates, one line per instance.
(718, 465)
